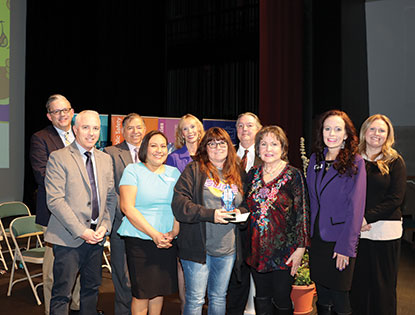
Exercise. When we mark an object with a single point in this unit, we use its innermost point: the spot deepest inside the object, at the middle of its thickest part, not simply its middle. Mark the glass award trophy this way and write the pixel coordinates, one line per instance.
(228, 197)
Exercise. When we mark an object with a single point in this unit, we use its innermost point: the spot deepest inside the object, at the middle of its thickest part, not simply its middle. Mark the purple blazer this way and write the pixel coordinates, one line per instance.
(179, 158)
(340, 199)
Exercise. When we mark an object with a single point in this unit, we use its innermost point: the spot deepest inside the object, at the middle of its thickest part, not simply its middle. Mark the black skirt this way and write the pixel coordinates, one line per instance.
(323, 269)
(153, 271)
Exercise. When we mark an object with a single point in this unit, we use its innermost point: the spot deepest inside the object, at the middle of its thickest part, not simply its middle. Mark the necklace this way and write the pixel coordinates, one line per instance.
(273, 171)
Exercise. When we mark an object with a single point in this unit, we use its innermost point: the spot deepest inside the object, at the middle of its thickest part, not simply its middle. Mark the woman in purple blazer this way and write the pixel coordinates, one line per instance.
(336, 179)
(189, 132)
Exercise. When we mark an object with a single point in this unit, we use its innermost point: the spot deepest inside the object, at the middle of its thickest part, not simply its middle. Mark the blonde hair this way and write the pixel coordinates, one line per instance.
(180, 141)
(387, 154)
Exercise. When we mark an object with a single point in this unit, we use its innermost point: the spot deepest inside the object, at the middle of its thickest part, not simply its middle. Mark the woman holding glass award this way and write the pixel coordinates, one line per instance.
(279, 225)
(207, 195)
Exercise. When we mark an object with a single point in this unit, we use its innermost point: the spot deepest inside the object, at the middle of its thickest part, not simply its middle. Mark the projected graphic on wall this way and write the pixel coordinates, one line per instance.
(4, 81)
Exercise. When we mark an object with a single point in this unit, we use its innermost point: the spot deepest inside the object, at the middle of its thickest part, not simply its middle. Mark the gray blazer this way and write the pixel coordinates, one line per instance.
(121, 157)
(68, 195)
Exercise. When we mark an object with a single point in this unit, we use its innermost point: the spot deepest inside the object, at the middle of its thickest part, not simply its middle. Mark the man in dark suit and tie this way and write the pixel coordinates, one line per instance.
(247, 126)
(52, 138)
(81, 197)
(133, 131)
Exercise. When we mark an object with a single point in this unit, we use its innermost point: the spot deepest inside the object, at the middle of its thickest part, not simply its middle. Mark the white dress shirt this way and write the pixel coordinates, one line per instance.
(250, 159)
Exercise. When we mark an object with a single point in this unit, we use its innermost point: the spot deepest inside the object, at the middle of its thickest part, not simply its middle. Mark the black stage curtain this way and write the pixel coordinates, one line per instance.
(102, 55)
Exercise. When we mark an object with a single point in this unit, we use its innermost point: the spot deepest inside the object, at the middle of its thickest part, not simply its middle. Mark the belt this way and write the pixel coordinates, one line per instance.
(93, 226)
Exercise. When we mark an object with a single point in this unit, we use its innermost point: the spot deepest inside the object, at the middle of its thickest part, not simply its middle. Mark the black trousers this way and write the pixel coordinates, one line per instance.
(85, 259)
(276, 284)
(238, 291)
(119, 274)
(339, 299)
(375, 277)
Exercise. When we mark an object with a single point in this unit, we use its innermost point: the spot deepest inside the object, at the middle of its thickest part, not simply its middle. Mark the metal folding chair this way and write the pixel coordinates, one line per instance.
(20, 228)
(7, 210)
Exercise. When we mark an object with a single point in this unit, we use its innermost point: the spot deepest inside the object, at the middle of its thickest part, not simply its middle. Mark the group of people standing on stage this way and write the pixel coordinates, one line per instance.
(169, 216)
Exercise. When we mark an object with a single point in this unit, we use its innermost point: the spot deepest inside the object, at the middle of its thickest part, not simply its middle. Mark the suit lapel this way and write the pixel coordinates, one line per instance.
(322, 182)
(125, 155)
(80, 163)
(55, 138)
(100, 180)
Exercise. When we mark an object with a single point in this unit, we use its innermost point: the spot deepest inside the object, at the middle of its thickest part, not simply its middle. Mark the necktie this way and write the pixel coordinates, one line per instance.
(136, 159)
(244, 159)
(90, 170)
(66, 137)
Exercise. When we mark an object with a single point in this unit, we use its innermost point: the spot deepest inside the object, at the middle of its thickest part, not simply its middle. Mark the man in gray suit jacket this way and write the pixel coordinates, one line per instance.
(81, 198)
(133, 131)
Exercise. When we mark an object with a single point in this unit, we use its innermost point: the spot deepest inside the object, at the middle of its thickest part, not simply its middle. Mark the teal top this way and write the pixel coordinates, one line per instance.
(153, 199)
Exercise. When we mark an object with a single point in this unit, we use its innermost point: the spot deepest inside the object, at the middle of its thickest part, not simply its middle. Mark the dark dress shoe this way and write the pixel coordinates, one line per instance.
(99, 312)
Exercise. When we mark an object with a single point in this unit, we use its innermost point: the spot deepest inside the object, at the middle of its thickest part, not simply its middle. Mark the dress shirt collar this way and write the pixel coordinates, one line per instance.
(82, 150)
(61, 133)
(251, 155)
(132, 150)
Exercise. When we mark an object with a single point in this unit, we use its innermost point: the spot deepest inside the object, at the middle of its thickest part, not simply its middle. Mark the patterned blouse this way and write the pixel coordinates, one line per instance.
(279, 220)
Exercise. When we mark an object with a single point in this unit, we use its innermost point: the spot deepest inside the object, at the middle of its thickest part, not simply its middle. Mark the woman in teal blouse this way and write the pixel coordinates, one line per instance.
(149, 227)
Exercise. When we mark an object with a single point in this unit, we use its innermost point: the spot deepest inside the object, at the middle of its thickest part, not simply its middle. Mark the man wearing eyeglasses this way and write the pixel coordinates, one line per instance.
(54, 137)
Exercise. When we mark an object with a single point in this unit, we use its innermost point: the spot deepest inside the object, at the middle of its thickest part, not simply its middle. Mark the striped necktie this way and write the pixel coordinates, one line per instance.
(66, 137)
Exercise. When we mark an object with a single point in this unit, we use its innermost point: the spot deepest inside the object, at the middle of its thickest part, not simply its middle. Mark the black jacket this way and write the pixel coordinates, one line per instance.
(188, 209)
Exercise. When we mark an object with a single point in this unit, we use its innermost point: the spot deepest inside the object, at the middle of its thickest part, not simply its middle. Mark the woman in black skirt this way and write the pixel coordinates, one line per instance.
(336, 180)
(149, 227)
(376, 274)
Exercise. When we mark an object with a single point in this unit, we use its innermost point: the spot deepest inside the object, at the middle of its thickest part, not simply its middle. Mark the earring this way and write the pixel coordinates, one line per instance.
(343, 144)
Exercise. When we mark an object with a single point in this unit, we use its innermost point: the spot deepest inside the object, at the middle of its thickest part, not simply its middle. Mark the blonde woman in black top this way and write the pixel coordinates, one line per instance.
(374, 283)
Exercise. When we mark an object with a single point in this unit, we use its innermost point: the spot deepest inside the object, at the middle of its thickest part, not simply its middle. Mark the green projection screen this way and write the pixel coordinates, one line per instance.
(4, 82)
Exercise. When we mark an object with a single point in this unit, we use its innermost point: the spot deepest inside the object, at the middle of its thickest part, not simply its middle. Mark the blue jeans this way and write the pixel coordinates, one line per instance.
(214, 275)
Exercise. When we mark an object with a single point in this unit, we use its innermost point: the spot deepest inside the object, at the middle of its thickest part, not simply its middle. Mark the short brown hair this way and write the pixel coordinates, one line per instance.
(279, 134)
(130, 116)
(53, 98)
(257, 121)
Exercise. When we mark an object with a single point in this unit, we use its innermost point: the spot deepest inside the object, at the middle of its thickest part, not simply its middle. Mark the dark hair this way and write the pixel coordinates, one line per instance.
(142, 153)
(231, 169)
(345, 159)
(130, 116)
(279, 134)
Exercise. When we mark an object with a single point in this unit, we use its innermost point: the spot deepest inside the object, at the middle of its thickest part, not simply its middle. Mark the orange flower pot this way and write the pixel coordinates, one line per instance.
(302, 298)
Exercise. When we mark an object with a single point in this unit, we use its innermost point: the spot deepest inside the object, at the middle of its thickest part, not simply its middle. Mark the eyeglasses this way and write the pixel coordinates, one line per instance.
(60, 111)
(221, 144)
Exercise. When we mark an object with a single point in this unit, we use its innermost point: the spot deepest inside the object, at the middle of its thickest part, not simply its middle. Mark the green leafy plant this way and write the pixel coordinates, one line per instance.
(303, 273)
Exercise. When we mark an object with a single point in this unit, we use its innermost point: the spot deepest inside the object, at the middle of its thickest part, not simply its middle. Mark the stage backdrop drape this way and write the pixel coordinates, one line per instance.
(281, 68)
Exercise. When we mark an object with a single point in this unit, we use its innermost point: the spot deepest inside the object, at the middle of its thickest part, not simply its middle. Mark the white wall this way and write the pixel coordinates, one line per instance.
(11, 179)
(391, 59)
(390, 26)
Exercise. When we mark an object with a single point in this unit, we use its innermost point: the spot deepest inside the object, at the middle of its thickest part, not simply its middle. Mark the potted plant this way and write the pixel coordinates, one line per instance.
(303, 289)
